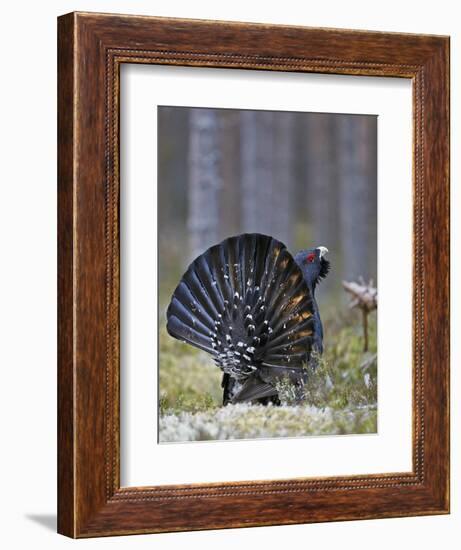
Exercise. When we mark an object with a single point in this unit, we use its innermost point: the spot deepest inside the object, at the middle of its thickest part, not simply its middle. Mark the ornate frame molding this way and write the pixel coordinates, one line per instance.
(91, 49)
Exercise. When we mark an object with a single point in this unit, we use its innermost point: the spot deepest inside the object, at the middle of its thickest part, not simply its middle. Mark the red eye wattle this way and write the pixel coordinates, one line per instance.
(311, 257)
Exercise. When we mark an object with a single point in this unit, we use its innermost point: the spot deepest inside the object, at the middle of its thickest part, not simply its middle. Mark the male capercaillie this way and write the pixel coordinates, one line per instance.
(250, 304)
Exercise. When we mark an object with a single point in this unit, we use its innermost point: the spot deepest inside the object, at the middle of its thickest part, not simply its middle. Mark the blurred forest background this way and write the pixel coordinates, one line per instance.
(306, 179)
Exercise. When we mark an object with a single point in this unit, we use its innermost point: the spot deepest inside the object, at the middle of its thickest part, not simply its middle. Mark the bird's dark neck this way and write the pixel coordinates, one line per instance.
(318, 327)
(312, 286)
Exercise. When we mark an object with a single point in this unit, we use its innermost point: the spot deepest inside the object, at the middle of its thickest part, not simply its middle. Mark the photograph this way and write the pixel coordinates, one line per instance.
(201, 204)
(267, 274)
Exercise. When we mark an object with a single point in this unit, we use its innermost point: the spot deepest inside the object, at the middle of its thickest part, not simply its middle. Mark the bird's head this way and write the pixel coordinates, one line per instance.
(313, 264)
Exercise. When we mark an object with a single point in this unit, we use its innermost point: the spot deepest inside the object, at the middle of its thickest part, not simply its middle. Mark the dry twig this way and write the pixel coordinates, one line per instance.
(365, 297)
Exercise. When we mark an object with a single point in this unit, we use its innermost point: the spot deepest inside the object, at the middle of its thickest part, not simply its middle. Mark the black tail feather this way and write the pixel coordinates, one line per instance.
(254, 388)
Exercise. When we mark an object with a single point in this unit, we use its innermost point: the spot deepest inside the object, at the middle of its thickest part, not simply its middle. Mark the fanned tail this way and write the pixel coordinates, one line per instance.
(245, 302)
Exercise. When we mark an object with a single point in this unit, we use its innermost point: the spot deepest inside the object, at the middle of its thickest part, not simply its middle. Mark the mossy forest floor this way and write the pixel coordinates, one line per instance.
(340, 396)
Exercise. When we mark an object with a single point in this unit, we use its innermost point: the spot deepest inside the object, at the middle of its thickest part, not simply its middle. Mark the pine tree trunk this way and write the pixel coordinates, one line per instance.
(204, 180)
(321, 174)
(230, 159)
(257, 131)
(282, 210)
(357, 185)
(173, 131)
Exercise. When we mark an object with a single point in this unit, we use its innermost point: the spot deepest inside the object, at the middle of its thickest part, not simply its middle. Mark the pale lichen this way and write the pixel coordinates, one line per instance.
(245, 421)
(339, 396)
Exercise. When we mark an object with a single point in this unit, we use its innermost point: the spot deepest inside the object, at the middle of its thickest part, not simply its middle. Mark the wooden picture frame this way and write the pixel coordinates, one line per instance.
(92, 48)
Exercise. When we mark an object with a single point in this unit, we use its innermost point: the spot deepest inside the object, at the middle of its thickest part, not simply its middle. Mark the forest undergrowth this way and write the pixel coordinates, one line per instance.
(340, 396)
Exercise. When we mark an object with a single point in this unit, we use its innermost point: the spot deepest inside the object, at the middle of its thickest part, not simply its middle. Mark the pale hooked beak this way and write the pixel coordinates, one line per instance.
(322, 251)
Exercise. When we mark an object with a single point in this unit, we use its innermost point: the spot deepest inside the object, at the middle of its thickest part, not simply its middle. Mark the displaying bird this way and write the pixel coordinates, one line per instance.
(251, 305)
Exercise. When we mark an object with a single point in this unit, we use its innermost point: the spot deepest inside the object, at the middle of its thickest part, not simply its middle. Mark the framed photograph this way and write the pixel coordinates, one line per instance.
(253, 323)
(248, 305)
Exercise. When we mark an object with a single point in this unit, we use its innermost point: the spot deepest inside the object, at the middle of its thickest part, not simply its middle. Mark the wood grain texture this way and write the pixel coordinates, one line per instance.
(91, 49)
(66, 471)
